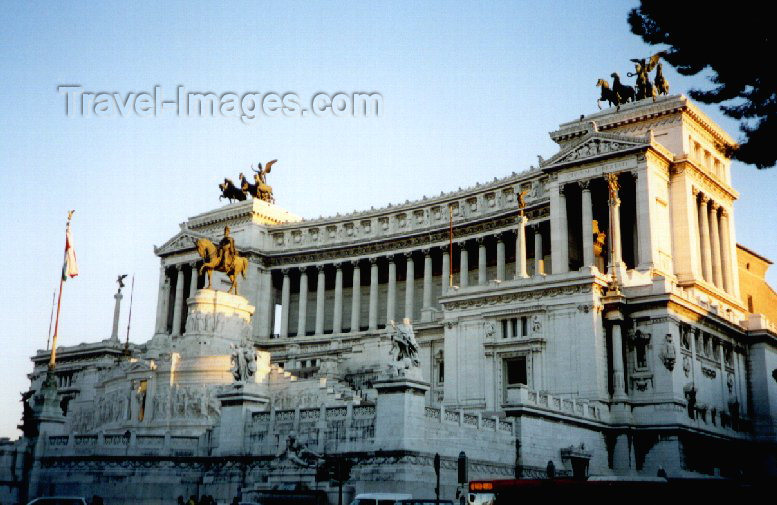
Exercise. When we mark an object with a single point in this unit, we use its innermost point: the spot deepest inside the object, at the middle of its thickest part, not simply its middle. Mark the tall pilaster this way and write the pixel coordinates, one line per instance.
(193, 280)
(285, 300)
(178, 307)
(356, 295)
(725, 251)
(717, 273)
(373, 315)
(587, 223)
(409, 285)
(265, 308)
(482, 263)
(446, 269)
(704, 239)
(644, 198)
(302, 315)
(500, 257)
(520, 249)
(391, 295)
(539, 268)
(463, 264)
(320, 292)
(618, 370)
(337, 318)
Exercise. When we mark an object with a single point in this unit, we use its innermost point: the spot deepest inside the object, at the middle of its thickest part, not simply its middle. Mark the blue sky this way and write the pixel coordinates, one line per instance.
(470, 91)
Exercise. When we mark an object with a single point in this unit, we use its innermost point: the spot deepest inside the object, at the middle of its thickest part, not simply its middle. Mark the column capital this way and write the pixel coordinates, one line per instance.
(561, 189)
(338, 265)
(178, 267)
(303, 270)
(723, 212)
(536, 227)
(714, 206)
(704, 198)
(585, 185)
(445, 249)
(373, 260)
(285, 271)
(499, 236)
(408, 255)
(320, 268)
(427, 251)
(480, 240)
(695, 191)
(355, 263)
(193, 264)
(390, 258)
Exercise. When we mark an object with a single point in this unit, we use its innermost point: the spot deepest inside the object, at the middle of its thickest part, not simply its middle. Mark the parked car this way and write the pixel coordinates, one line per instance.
(380, 498)
(59, 500)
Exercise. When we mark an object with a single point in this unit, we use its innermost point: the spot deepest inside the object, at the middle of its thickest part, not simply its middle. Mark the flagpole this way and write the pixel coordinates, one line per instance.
(129, 319)
(51, 318)
(53, 357)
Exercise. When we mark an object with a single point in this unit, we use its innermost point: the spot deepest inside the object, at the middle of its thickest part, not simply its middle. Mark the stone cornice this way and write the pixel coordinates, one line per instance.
(704, 181)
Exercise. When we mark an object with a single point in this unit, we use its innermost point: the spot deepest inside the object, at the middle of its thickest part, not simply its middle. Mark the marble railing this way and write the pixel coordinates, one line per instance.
(475, 421)
(519, 395)
(129, 443)
(320, 429)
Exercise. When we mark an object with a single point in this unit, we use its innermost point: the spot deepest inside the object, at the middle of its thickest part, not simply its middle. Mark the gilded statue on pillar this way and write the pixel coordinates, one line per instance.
(599, 245)
(613, 186)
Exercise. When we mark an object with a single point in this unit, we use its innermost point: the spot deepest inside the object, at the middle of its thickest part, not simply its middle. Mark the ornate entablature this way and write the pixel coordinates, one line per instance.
(595, 147)
(424, 217)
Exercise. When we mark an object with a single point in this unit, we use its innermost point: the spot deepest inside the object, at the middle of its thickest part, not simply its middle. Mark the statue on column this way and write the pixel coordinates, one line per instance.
(225, 259)
(600, 241)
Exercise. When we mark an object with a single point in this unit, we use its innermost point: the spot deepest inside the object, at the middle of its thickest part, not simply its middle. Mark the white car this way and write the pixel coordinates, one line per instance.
(59, 500)
(379, 498)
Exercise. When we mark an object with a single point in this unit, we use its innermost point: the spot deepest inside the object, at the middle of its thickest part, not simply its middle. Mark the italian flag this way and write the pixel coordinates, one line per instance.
(70, 267)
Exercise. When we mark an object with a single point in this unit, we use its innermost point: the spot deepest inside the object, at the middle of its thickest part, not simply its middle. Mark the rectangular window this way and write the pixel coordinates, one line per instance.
(524, 326)
(515, 371)
(441, 372)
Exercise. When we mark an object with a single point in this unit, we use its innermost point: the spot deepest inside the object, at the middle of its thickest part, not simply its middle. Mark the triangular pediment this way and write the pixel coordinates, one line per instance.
(595, 145)
(182, 241)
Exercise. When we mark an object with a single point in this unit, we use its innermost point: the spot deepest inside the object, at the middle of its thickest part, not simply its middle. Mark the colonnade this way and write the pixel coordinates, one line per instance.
(714, 242)
(174, 287)
(489, 264)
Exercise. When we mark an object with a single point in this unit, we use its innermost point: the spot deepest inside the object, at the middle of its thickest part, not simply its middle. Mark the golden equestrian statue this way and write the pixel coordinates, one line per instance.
(225, 259)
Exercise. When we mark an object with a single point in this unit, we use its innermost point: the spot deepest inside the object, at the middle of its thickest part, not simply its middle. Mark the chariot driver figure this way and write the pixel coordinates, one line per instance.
(227, 250)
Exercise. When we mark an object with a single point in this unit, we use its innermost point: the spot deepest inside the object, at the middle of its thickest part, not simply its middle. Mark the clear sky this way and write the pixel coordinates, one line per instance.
(470, 91)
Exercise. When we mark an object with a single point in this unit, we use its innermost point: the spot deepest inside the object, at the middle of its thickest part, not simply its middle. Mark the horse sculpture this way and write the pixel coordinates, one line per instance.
(617, 95)
(608, 95)
(230, 191)
(247, 187)
(212, 261)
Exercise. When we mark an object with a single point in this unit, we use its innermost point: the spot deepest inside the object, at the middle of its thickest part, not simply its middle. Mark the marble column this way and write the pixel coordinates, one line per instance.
(644, 248)
(704, 238)
(193, 282)
(391, 295)
(500, 257)
(116, 313)
(373, 315)
(509, 328)
(178, 307)
(538, 260)
(409, 285)
(427, 279)
(725, 251)
(562, 266)
(482, 263)
(520, 249)
(587, 223)
(302, 316)
(320, 293)
(463, 264)
(616, 255)
(337, 318)
(285, 300)
(161, 304)
(717, 274)
(356, 295)
(265, 307)
(446, 269)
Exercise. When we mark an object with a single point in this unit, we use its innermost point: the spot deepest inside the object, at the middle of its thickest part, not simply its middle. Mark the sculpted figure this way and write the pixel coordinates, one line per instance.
(404, 344)
(262, 189)
(298, 453)
(642, 67)
(230, 192)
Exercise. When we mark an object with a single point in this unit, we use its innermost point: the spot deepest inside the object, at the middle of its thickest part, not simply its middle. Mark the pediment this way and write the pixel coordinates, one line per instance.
(593, 146)
(182, 241)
